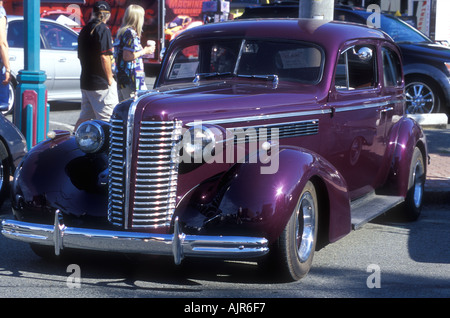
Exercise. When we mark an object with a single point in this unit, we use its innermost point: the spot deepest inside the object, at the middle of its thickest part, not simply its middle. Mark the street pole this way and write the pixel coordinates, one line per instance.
(316, 9)
(31, 111)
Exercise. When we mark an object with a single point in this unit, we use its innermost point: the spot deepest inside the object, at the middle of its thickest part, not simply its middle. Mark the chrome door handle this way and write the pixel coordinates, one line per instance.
(387, 109)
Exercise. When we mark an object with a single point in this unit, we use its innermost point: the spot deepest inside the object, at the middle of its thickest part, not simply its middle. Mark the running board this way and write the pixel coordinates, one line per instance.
(369, 207)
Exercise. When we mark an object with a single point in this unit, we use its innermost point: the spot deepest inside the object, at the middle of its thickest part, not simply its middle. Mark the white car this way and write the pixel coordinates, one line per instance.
(58, 58)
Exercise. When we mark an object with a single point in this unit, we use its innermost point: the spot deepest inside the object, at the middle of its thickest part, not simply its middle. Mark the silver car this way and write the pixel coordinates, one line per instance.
(58, 58)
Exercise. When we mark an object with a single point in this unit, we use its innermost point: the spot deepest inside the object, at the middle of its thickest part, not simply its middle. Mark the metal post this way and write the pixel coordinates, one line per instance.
(31, 111)
(316, 9)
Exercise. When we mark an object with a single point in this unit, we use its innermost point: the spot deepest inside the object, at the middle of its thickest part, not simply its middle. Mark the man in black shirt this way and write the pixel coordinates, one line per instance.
(95, 51)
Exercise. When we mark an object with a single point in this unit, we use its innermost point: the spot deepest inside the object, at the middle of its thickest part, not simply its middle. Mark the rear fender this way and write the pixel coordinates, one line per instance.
(409, 135)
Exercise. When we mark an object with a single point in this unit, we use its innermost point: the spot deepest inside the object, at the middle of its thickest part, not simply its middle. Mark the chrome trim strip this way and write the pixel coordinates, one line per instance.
(128, 156)
(292, 114)
(260, 117)
(314, 121)
(179, 245)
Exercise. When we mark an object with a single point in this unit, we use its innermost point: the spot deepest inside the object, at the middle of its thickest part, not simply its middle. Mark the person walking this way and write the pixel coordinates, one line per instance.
(95, 52)
(128, 53)
(4, 58)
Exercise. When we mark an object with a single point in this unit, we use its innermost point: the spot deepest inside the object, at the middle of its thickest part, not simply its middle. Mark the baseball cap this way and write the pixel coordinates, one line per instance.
(101, 6)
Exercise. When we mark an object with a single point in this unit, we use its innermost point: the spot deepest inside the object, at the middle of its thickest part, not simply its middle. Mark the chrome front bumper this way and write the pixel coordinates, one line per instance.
(177, 244)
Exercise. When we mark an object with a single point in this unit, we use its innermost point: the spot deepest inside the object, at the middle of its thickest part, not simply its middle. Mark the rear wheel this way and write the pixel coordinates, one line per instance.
(293, 254)
(416, 184)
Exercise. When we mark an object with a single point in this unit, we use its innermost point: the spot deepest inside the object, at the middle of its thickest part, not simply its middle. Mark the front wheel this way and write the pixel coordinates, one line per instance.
(422, 96)
(293, 253)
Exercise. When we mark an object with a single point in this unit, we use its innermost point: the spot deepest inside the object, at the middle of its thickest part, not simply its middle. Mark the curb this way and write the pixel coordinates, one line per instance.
(438, 120)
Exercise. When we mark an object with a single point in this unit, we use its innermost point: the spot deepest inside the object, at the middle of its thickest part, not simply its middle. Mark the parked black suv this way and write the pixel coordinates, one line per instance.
(426, 64)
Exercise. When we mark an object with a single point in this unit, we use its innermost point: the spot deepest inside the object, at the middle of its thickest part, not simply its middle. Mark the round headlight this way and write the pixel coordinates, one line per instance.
(90, 136)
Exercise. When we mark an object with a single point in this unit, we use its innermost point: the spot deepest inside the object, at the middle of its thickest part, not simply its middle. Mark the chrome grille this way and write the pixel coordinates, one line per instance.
(155, 182)
(116, 165)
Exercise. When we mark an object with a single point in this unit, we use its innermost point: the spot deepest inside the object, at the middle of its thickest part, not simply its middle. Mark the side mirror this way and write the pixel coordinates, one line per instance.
(364, 53)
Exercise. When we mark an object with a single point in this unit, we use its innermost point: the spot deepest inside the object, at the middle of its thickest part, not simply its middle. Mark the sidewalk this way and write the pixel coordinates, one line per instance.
(437, 185)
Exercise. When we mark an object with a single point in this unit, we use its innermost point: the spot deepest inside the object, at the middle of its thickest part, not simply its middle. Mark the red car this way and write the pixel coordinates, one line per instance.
(261, 140)
(73, 20)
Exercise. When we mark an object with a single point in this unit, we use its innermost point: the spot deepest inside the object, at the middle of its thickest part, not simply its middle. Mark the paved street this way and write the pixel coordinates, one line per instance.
(411, 259)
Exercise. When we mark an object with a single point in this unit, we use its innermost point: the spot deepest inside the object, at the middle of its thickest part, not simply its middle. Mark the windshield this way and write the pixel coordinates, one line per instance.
(400, 31)
(281, 60)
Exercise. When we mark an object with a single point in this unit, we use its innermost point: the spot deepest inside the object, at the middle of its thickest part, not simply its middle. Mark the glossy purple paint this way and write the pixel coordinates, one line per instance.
(362, 142)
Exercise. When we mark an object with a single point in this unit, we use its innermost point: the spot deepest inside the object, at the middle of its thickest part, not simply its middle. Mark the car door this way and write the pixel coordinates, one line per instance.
(60, 46)
(357, 139)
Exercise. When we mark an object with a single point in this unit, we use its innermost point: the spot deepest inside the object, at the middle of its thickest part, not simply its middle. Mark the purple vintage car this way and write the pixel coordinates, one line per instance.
(261, 140)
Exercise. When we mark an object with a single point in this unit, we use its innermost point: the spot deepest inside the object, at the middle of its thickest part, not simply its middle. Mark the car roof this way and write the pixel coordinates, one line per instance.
(19, 17)
(324, 33)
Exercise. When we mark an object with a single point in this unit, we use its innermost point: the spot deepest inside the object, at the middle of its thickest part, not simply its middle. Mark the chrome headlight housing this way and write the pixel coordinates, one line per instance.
(198, 139)
(202, 143)
(91, 136)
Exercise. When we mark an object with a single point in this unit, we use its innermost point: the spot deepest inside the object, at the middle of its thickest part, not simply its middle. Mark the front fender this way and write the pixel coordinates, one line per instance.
(248, 202)
(56, 174)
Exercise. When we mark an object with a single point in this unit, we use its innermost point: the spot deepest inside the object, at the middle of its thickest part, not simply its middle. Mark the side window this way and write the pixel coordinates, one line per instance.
(356, 68)
(58, 38)
(16, 34)
(392, 72)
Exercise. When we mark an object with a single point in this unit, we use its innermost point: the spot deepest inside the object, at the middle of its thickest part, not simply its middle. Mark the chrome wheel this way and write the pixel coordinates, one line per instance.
(2, 176)
(292, 254)
(305, 227)
(418, 185)
(420, 98)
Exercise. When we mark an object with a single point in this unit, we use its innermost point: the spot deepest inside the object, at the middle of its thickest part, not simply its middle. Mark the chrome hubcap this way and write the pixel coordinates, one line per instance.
(418, 184)
(305, 226)
(1, 176)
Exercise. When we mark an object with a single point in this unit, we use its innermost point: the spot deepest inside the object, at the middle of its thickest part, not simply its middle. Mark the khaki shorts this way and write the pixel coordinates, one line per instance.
(98, 104)
(129, 92)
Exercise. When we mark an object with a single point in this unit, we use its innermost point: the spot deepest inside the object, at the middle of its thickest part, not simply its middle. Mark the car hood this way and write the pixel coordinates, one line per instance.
(226, 100)
(430, 49)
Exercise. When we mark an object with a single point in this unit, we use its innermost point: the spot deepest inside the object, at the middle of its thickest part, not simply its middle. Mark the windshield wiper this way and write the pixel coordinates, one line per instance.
(270, 77)
(199, 76)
